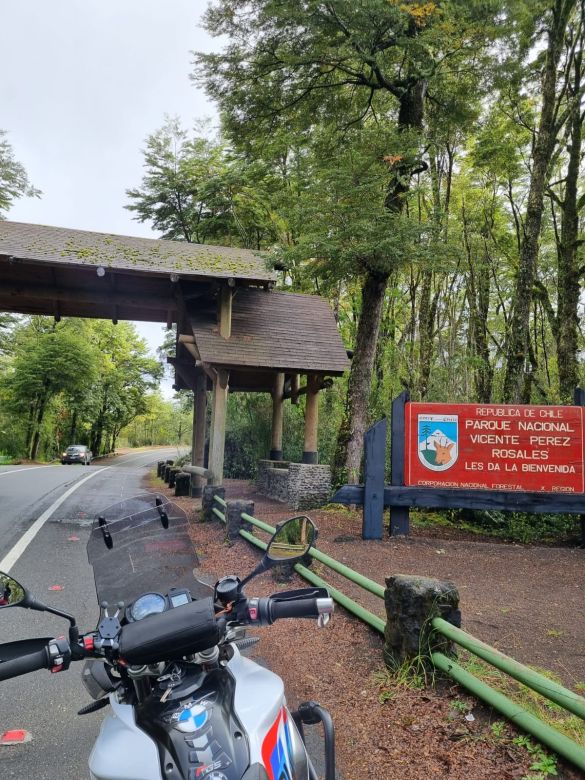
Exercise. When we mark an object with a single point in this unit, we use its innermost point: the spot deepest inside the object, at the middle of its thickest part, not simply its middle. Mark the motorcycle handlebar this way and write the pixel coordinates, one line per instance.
(25, 664)
(270, 609)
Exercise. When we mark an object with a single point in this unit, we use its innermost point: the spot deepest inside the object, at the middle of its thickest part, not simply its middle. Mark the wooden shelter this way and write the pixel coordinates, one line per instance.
(233, 331)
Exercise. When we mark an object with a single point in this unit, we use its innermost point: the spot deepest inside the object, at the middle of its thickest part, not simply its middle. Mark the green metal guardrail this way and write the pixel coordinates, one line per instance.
(524, 720)
(537, 682)
(549, 689)
(565, 698)
(219, 514)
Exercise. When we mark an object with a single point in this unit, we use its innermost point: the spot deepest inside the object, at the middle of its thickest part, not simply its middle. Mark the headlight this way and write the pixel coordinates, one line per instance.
(64, 455)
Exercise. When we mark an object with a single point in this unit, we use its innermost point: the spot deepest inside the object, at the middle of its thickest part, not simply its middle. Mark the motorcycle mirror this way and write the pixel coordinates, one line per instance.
(11, 592)
(291, 540)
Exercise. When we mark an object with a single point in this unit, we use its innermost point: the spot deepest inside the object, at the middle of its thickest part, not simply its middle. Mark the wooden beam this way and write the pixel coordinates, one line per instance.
(455, 498)
(189, 343)
(84, 295)
(219, 410)
(197, 471)
(277, 417)
(225, 312)
(322, 384)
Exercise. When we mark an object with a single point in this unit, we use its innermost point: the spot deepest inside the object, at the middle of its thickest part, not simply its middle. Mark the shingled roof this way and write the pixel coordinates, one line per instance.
(274, 330)
(65, 247)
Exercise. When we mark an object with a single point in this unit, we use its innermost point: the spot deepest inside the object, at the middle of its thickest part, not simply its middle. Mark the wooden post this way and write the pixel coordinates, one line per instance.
(294, 389)
(199, 425)
(399, 518)
(277, 417)
(580, 401)
(310, 454)
(225, 312)
(375, 458)
(219, 409)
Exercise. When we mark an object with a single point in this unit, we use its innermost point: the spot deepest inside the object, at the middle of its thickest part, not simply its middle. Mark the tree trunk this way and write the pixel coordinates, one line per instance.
(34, 449)
(73, 429)
(426, 327)
(478, 296)
(351, 435)
(568, 267)
(519, 331)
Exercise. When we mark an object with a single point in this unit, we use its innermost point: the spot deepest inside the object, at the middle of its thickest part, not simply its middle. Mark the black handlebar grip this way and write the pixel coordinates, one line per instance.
(295, 608)
(24, 664)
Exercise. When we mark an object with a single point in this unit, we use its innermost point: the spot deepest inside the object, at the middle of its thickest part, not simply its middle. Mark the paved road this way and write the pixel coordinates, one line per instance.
(43, 704)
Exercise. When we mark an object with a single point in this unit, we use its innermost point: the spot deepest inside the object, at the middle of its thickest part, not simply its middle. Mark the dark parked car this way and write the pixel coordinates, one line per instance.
(77, 453)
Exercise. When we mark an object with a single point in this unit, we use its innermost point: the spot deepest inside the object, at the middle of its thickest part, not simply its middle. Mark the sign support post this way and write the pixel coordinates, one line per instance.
(375, 459)
(399, 515)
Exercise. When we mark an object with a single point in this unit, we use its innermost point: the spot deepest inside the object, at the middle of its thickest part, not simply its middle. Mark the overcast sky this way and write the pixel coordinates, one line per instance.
(82, 83)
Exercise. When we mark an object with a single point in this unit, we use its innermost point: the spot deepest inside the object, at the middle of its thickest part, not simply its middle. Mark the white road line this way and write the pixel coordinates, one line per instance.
(14, 554)
(26, 468)
(131, 457)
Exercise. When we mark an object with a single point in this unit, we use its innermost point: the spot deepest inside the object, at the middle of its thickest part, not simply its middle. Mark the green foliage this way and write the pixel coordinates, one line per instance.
(196, 189)
(14, 181)
(76, 381)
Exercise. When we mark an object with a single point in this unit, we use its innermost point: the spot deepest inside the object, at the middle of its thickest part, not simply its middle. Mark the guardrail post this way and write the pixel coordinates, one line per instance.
(182, 484)
(167, 472)
(207, 502)
(411, 604)
(233, 517)
(173, 475)
(159, 467)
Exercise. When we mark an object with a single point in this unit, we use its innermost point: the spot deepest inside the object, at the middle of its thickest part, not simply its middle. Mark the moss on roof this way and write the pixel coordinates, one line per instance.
(79, 247)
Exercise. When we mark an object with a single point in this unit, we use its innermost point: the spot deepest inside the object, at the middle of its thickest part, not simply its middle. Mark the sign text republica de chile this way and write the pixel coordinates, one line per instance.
(495, 447)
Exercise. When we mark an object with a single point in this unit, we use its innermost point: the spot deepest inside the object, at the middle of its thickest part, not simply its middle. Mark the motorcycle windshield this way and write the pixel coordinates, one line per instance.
(132, 553)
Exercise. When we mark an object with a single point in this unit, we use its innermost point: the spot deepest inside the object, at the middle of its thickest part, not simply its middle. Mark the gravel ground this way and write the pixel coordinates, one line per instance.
(525, 600)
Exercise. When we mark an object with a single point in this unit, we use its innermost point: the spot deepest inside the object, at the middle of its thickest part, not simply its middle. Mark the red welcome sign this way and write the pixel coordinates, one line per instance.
(495, 447)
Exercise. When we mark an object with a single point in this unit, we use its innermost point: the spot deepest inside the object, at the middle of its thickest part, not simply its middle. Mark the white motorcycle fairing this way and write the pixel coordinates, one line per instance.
(234, 719)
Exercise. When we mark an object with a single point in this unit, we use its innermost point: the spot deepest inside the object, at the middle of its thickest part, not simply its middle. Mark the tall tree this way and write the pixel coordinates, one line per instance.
(552, 117)
(296, 64)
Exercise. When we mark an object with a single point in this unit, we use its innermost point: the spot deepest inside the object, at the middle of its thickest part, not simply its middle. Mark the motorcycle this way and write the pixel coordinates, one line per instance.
(167, 655)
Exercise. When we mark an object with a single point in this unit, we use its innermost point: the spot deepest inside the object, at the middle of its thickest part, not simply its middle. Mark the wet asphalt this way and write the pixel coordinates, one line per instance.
(43, 704)
(46, 705)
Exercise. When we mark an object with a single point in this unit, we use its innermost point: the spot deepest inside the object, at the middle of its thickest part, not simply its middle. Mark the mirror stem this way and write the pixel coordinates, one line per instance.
(38, 606)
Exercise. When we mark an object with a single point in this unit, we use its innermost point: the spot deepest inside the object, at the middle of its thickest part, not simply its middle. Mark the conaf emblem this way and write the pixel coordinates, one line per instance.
(438, 441)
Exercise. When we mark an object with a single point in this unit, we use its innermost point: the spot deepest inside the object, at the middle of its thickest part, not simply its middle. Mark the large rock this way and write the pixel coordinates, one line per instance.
(411, 603)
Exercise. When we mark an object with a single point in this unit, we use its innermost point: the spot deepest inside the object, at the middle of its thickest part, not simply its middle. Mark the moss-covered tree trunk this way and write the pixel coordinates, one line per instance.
(567, 330)
(517, 342)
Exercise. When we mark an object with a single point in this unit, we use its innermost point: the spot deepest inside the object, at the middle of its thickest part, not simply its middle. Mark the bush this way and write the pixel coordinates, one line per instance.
(522, 526)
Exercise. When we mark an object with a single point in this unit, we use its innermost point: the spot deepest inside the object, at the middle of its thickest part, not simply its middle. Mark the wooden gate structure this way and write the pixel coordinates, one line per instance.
(234, 332)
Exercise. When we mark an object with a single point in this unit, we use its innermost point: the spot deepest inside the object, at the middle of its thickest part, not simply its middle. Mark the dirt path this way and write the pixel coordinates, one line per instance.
(525, 600)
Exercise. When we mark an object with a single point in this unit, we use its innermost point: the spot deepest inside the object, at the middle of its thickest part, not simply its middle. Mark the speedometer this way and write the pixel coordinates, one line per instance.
(149, 604)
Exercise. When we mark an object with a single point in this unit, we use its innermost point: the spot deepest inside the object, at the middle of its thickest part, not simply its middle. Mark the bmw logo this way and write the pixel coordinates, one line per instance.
(192, 719)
